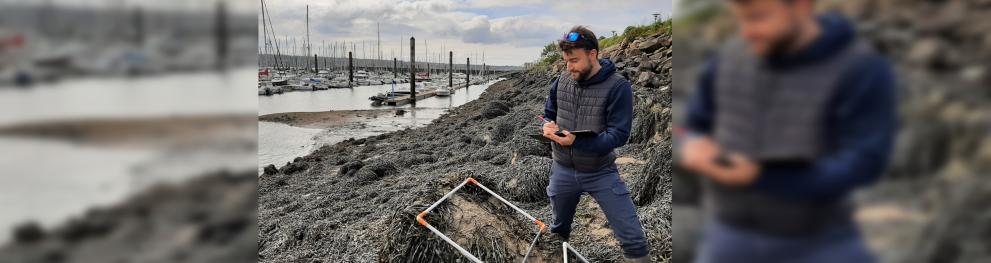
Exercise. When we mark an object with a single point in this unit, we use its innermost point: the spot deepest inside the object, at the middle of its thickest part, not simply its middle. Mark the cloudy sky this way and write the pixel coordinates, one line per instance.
(510, 32)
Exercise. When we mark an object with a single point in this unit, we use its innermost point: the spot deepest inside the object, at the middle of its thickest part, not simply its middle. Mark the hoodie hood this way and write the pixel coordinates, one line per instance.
(836, 34)
(608, 68)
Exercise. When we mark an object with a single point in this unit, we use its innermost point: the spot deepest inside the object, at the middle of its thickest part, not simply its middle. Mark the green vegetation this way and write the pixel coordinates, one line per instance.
(632, 32)
(549, 55)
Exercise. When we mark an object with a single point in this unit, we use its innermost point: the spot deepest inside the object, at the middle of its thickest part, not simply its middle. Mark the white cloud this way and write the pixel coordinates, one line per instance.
(516, 28)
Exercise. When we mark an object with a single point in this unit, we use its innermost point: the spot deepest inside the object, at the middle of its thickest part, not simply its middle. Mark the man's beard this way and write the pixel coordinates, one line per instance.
(582, 75)
(785, 43)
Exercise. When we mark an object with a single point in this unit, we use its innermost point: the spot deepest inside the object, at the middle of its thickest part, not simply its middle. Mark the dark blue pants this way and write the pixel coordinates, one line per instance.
(612, 195)
(724, 243)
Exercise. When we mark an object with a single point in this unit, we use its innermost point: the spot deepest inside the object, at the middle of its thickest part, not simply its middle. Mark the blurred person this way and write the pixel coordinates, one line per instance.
(788, 119)
(591, 95)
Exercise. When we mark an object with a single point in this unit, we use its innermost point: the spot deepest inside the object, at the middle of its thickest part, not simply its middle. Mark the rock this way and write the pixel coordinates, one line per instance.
(495, 109)
(651, 45)
(644, 78)
(350, 168)
(270, 169)
(529, 179)
(648, 65)
(375, 171)
(632, 53)
(925, 51)
(295, 167)
(28, 233)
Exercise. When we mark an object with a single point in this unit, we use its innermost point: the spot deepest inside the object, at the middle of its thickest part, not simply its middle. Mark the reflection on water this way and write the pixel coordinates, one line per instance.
(280, 143)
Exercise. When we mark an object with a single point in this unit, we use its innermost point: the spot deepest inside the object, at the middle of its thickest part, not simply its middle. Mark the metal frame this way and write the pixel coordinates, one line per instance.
(565, 248)
(420, 219)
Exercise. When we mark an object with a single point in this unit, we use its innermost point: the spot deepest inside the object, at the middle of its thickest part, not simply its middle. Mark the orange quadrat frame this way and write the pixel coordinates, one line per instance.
(420, 219)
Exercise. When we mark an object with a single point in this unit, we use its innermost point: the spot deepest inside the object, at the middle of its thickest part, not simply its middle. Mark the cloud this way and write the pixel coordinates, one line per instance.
(519, 26)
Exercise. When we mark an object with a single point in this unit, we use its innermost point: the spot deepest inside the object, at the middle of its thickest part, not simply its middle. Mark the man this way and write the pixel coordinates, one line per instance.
(787, 121)
(590, 95)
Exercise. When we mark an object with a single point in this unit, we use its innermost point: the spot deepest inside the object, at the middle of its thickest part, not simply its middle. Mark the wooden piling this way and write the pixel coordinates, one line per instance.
(350, 69)
(450, 69)
(412, 70)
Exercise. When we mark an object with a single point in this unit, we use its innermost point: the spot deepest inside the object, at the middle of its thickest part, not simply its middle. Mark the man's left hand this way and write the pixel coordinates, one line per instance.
(566, 140)
(741, 172)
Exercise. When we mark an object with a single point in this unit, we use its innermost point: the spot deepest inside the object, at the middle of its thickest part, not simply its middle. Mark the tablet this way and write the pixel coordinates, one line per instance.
(540, 137)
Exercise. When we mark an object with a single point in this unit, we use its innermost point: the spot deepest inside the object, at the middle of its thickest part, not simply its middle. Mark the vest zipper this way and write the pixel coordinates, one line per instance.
(577, 121)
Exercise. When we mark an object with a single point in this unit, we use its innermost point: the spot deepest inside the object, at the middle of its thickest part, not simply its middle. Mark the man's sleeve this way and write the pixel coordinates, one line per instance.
(864, 120)
(619, 122)
(550, 106)
(699, 118)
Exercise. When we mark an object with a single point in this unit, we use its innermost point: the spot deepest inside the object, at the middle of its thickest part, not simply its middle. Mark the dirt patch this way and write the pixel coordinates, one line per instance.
(326, 119)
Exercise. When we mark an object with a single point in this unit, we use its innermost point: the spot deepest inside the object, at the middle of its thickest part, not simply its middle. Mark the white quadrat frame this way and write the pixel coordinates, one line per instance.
(565, 247)
(420, 219)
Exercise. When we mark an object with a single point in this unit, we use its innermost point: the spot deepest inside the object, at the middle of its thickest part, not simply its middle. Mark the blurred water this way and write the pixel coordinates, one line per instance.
(176, 94)
(50, 180)
(280, 143)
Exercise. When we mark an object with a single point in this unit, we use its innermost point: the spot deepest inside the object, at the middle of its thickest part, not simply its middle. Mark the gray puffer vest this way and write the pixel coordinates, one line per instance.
(775, 115)
(583, 108)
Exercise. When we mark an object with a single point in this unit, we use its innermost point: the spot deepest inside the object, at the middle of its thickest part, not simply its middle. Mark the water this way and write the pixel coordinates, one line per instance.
(177, 94)
(280, 143)
(49, 180)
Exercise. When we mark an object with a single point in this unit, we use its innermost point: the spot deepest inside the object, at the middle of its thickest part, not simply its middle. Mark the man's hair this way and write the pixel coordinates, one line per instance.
(587, 40)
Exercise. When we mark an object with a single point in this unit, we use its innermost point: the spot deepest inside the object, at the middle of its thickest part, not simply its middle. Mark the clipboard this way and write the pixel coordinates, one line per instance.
(581, 133)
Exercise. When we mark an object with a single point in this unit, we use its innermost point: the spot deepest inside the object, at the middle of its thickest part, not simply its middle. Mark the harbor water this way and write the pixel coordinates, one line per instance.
(280, 143)
(49, 180)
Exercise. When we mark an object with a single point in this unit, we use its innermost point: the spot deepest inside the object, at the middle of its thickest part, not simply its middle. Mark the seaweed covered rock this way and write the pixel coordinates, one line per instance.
(529, 179)
(495, 109)
(375, 170)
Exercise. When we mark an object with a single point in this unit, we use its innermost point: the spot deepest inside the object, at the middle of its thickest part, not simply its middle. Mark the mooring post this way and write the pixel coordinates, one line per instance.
(395, 72)
(350, 69)
(412, 70)
(316, 66)
(467, 72)
(450, 69)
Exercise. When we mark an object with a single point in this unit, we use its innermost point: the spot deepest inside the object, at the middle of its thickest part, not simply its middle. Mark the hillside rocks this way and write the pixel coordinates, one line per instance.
(371, 211)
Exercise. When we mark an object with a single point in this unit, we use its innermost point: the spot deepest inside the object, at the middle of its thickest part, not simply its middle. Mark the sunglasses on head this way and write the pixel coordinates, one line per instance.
(573, 36)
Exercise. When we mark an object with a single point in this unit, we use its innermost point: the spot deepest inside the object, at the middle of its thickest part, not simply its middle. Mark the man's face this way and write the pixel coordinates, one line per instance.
(769, 26)
(580, 62)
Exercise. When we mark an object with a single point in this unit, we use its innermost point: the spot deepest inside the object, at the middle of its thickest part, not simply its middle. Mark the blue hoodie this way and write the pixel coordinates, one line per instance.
(860, 121)
(619, 113)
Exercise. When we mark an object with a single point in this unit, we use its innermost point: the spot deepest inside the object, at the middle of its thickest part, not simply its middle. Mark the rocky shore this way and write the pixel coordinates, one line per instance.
(355, 201)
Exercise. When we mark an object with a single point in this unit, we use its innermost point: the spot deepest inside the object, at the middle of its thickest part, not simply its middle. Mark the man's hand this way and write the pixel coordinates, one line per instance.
(741, 172)
(700, 155)
(550, 128)
(697, 154)
(567, 140)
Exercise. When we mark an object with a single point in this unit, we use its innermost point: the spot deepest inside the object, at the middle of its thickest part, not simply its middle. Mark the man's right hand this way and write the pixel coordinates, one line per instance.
(550, 128)
(700, 155)
(697, 154)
